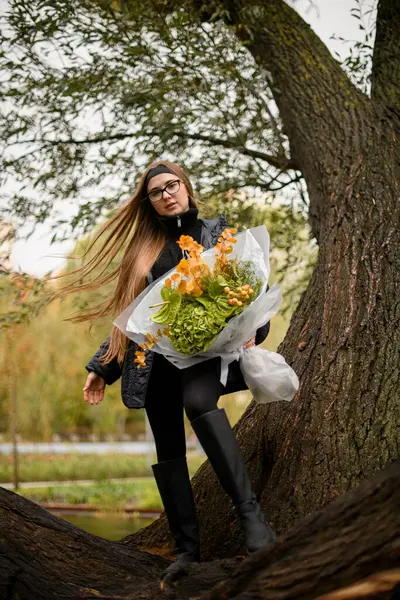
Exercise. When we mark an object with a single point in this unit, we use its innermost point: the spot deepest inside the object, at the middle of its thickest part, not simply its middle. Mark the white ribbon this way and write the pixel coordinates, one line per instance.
(226, 360)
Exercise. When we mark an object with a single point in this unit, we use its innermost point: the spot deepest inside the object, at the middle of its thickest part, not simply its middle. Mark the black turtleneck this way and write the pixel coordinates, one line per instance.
(186, 223)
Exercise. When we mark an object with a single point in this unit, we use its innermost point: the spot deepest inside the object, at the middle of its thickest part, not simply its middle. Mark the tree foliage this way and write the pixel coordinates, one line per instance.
(358, 61)
(94, 91)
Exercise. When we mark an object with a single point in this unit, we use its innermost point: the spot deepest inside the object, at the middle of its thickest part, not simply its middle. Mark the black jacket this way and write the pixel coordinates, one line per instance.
(134, 381)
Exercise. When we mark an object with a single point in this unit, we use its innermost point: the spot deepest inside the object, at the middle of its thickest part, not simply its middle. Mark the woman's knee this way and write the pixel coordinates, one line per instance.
(201, 388)
(197, 403)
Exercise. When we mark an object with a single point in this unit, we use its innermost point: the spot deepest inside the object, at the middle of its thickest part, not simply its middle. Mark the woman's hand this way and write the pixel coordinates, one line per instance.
(93, 391)
(250, 343)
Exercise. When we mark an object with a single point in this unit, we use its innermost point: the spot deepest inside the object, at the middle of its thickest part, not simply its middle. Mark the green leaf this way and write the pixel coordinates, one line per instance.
(165, 292)
(167, 313)
(175, 300)
(206, 301)
(161, 316)
(216, 288)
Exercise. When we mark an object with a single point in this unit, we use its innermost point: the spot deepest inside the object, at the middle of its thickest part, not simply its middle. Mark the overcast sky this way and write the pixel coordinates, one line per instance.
(36, 256)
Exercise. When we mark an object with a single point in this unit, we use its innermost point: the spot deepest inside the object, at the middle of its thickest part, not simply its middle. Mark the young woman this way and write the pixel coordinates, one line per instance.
(159, 212)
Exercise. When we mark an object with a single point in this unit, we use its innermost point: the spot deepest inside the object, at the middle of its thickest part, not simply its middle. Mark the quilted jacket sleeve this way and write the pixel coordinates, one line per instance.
(109, 372)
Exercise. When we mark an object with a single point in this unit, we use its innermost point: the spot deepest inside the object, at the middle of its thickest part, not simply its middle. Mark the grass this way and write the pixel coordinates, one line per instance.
(71, 467)
(107, 496)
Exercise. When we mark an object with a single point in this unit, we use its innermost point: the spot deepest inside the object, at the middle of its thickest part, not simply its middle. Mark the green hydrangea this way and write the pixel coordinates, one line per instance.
(195, 328)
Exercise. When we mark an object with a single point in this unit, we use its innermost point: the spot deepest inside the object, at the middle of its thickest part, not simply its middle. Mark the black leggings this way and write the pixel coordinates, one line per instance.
(170, 390)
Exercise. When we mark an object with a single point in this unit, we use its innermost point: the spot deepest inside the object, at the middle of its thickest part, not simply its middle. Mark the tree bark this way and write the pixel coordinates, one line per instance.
(344, 339)
(385, 77)
(331, 549)
(355, 539)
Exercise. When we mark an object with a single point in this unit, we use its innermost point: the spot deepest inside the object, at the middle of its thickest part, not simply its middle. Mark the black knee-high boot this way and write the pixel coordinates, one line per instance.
(219, 443)
(173, 482)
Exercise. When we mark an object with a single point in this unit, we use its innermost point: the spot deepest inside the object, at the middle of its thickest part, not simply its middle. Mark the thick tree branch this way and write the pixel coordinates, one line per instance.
(279, 162)
(355, 537)
(386, 59)
(335, 547)
(374, 586)
(255, 183)
(307, 83)
(325, 117)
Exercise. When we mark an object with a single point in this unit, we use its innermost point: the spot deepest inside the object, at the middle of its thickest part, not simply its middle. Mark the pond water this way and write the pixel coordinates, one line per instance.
(109, 526)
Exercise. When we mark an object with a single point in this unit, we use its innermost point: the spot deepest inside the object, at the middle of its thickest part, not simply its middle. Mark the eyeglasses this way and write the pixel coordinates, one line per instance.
(172, 188)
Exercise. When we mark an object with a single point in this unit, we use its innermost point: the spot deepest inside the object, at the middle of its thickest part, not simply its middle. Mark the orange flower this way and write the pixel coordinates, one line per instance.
(190, 285)
(221, 260)
(182, 287)
(224, 247)
(168, 283)
(205, 270)
(197, 290)
(165, 331)
(200, 270)
(193, 287)
(183, 267)
(227, 233)
(196, 249)
(175, 277)
(185, 242)
(195, 259)
(140, 359)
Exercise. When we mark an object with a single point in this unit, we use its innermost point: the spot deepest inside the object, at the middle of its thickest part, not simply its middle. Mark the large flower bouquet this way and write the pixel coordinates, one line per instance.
(210, 305)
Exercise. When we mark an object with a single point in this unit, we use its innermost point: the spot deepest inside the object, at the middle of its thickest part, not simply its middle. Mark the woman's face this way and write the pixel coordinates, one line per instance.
(172, 202)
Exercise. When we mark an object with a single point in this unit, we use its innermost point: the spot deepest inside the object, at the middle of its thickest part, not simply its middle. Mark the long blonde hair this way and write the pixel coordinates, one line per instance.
(136, 226)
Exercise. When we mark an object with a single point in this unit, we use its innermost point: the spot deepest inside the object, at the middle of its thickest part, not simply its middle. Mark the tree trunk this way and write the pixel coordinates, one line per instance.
(355, 539)
(344, 339)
